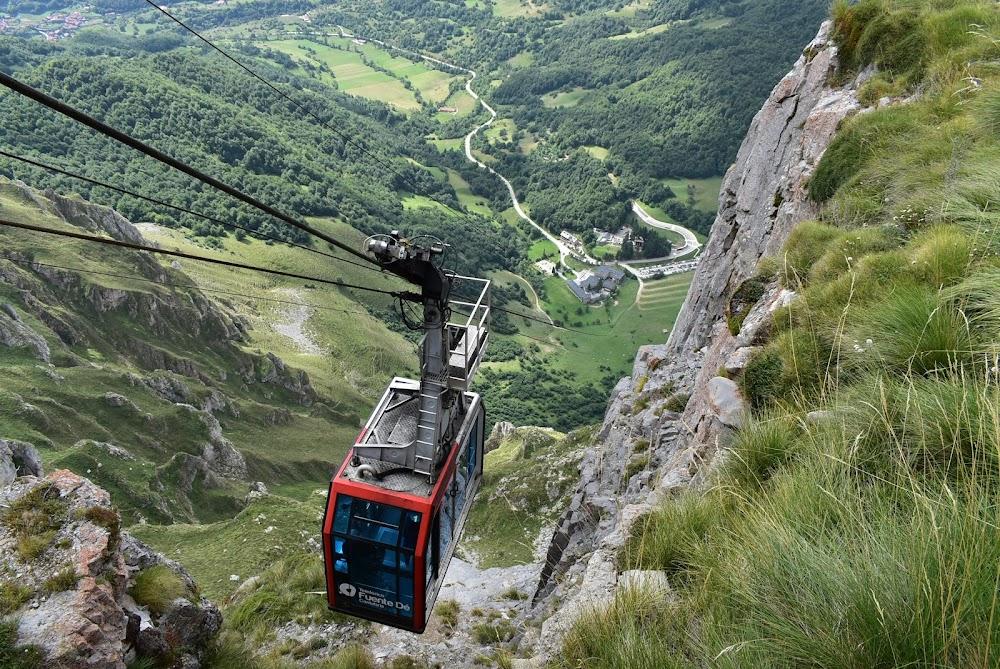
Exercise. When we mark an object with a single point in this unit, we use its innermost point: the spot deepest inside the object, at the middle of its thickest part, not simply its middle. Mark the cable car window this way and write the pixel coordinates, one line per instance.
(447, 517)
(411, 528)
(343, 512)
(471, 450)
(373, 548)
(461, 483)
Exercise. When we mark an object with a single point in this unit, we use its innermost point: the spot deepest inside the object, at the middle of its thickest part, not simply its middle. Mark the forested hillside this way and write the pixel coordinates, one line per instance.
(578, 84)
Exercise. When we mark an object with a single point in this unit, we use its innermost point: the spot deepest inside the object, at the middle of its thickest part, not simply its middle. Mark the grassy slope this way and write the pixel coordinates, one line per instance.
(867, 538)
(293, 448)
(518, 498)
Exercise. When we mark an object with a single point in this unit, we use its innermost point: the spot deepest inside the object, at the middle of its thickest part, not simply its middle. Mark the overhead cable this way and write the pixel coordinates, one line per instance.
(103, 128)
(190, 286)
(215, 261)
(256, 233)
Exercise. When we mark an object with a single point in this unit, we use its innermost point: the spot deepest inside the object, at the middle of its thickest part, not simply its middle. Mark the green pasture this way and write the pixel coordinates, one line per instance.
(706, 191)
(598, 152)
(514, 8)
(493, 132)
(715, 24)
(465, 195)
(352, 75)
(422, 201)
(461, 101)
(450, 144)
(437, 172)
(528, 144)
(565, 99)
(663, 27)
(542, 248)
(628, 10)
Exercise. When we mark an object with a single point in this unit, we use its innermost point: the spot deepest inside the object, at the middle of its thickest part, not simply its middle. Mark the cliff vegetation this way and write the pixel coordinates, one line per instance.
(852, 523)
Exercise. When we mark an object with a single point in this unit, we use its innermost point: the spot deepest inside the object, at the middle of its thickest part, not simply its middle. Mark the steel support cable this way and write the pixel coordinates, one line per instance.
(193, 286)
(103, 128)
(215, 261)
(344, 136)
(189, 286)
(102, 184)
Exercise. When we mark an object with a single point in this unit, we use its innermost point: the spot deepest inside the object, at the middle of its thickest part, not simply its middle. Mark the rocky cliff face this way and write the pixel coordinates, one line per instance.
(83, 593)
(668, 421)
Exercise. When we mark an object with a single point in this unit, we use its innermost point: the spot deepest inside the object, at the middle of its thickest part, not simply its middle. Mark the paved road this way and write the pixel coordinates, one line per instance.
(564, 250)
(691, 243)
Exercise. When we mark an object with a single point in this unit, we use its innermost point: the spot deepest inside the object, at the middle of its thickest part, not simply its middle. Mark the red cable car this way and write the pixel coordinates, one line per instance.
(399, 502)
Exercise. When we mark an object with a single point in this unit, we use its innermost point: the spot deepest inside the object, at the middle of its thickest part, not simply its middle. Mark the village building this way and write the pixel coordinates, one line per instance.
(605, 238)
(571, 241)
(594, 286)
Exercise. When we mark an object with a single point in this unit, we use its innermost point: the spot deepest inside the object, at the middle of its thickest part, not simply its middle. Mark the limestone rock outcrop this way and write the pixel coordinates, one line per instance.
(667, 422)
(72, 576)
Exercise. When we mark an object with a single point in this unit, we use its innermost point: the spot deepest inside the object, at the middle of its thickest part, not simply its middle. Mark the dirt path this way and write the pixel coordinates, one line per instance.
(292, 322)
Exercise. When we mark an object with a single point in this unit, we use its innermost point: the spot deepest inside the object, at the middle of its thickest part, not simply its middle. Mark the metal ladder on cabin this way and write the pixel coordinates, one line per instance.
(428, 426)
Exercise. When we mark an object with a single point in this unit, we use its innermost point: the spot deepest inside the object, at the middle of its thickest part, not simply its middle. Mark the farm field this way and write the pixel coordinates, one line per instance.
(357, 78)
(567, 99)
(706, 191)
(663, 27)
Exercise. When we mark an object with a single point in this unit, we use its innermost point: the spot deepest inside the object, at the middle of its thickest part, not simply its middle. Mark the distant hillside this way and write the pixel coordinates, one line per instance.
(117, 366)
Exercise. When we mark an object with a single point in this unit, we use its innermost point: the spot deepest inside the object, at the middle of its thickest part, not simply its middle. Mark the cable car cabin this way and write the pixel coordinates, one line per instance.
(389, 534)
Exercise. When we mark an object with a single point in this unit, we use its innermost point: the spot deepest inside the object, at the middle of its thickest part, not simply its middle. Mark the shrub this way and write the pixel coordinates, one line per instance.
(498, 632)
(670, 535)
(157, 588)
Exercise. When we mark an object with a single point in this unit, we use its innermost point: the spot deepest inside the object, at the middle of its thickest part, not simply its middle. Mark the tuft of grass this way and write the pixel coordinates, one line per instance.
(12, 596)
(157, 588)
(448, 610)
(65, 579)
(916, 332)
(514, 594)
(499, 632)
(639, 629)
(36, 518)
(760, 449)
(13, 656)
(668, 538)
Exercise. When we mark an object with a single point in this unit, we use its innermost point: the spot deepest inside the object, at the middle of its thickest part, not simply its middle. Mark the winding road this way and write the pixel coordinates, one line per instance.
(564, 250)
(690, 245)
